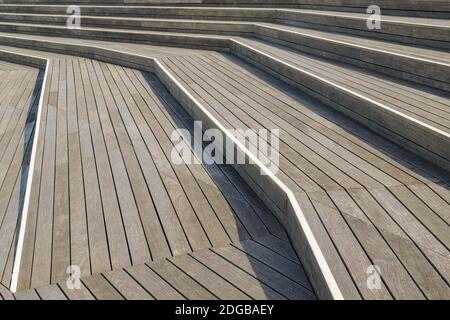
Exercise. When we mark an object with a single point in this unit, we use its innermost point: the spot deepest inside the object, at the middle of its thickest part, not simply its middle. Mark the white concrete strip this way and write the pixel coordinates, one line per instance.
(23, 220)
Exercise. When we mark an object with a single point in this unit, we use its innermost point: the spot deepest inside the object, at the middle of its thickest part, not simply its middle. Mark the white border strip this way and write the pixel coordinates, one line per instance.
(23, 221)
(317, 252)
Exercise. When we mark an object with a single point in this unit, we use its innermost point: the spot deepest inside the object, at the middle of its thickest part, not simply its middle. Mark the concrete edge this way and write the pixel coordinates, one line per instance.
(41, 63)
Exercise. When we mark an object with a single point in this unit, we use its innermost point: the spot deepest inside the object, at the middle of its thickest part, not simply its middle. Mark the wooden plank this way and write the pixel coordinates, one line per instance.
(265, 110)
(184, 284)
(154, 284)
(210, 225)
(282, 247)
(79, 241)
(101, 288)
(77, 294)
(13, 171)
(208, 177)
(27, 295)
(431, 247)
(5, 293)
(424, 214)
(264, 274)
(101, 137)
(394, 275)
(418, 266)
(127, 286)
(255, 116)
(433, 200)
(123, 162)
(165, 110)
(292, 110)
(210, 280)
(191, 226)
(347, 243)
(61, 215)
(51, 293)
(97, 177)
(153, 230)
(237, 277)
(325, 117)
(254, 225)
(284, 266)
(172, 227)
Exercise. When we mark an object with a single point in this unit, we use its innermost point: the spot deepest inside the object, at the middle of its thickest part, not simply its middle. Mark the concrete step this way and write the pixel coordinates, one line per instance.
(415, 117)
(420, 65)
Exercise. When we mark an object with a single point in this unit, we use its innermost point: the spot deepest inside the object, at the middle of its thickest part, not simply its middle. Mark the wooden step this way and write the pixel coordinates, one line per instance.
(424, 66)
(421, 130)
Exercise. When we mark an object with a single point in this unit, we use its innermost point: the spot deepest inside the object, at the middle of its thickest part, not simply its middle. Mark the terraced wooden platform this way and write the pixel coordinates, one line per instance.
(364, 120)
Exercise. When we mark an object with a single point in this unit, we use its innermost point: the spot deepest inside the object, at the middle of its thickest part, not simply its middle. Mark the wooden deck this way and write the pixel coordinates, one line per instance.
(106, 196)
(19, 92)
(368, 202)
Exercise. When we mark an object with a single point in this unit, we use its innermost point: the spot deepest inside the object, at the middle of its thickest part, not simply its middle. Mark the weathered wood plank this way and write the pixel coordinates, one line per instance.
(184, 284)
(154, 284)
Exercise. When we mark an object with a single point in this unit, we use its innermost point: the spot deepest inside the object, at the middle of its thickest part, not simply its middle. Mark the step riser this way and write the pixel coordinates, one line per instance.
(409, 134)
